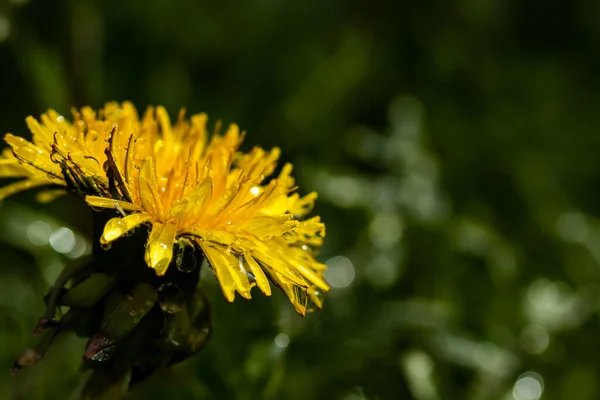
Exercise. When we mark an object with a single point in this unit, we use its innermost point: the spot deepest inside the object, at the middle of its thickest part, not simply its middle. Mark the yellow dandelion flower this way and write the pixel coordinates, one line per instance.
(189, 186)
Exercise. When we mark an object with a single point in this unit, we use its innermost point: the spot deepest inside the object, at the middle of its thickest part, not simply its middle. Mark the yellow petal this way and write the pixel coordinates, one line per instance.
(165, 123)
(276, 264)
(310, 231)
(41, 135)
(238, 273)
(117, 227)
(198, 131)
(302, 206)
(284, 177)
(220, 267)
(13, 168)
(261, 278)
(32, 154)
(149, 188)
(268, 226)
(103, 202)
(312, 276)
(195, 202)
(20, 186)
(296, 294)
(50, 195)
(229, 271)
(225, 200)
(213, 235)
(159, 251)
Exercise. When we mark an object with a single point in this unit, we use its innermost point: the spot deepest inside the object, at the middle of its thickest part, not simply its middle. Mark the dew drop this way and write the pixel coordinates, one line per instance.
(128, 233)
(105, 246)
(133, 313)
(170, 298)
(301, 296)
(242, 264)
(103, 354)
(114, 229)
(315, 299)
(99, 348)
(186, 260)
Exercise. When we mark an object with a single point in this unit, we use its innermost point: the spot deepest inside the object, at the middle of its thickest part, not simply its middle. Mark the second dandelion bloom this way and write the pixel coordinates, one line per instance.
(191, 188)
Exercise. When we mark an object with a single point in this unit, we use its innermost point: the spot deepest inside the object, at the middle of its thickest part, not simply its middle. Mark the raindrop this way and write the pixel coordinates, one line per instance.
(186, 260)
(170, 298)
(315, 299)
(99, 348)
(106, 246)
(104, 354)
(128, 233)
(242, 265)
(54, 159)
(301, 296)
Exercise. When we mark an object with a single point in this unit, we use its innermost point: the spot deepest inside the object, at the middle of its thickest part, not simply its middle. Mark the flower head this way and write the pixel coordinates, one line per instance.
(191, 189)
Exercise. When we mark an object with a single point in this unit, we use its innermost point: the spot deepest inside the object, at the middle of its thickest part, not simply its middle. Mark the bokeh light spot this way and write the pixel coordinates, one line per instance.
(529, 386)
(4, 28)
(340, 272)
(39, 233)
(282, 340)
(62, 240)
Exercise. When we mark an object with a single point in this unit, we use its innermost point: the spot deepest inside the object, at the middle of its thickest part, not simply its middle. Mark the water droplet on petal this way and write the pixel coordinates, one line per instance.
(315, 299)
(170, 298)
(114, 228)
(242, 263)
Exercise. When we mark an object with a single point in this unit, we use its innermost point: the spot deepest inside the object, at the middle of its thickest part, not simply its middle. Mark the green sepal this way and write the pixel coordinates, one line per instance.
(88, 292)
(124, 312)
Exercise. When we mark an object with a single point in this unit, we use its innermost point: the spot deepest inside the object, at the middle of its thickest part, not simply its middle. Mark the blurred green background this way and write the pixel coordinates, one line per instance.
(455, 149)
